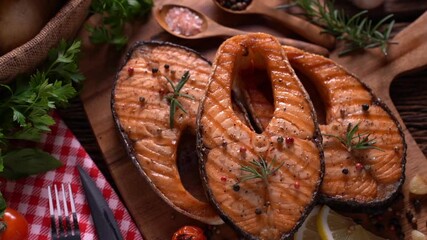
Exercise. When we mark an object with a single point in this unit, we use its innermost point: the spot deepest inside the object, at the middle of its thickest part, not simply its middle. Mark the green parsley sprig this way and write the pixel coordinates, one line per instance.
(358, 32)
(259, 169)
(173, 97)
(25, 106)
(353, 141)
(115, 13)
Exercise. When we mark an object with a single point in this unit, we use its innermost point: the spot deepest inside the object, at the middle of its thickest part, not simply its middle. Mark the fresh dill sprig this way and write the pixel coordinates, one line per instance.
(353, 141)
(259, 169)
(173, 97)
(358, 32)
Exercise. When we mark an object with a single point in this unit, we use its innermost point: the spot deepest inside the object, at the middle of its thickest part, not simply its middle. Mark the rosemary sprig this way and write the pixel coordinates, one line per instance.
(362, 139)
(173, 97)
(259, 169)
(358, 32)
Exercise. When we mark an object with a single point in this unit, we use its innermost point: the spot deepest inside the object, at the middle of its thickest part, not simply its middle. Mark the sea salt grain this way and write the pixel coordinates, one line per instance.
(183, 21)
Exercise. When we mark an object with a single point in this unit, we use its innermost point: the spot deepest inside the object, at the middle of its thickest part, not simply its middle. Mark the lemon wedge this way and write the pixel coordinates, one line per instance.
(308, 230)
(417, 235)
(333, 226)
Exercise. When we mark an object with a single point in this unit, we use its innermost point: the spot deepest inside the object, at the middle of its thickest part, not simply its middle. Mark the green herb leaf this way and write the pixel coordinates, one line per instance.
(27, 161)
(357, 31)
(26, 103)
(352, 141)
(259, 169)
(115, 13)
(62, 63)
(173, 97)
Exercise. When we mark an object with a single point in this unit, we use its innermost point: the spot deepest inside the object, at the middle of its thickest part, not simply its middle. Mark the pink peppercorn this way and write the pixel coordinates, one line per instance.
(223, 179)
(359, 166)
(130, 71)
(289, 140)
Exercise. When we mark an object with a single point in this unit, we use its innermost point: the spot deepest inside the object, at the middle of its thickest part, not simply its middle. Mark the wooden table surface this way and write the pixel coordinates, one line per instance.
(408, 92)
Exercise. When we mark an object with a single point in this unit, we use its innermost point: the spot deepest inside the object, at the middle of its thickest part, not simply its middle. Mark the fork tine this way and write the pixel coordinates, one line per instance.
(73, 211)
(67, 216)
(62, 227)
(58, 210)
(52, 215)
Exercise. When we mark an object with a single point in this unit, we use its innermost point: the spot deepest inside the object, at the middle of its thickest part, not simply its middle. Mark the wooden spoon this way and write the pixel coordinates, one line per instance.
(298, 25)
(210, 28)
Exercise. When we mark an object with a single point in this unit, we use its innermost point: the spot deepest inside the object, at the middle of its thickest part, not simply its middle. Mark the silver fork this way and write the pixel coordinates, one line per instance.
(63, 226)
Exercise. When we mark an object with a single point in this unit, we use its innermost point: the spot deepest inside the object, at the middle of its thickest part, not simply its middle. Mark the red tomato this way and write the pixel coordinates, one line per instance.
(189, 233)
(16, 226)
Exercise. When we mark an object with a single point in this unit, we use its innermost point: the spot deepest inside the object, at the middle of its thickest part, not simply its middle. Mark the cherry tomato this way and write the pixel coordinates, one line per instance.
(189, 233)
(16, 226)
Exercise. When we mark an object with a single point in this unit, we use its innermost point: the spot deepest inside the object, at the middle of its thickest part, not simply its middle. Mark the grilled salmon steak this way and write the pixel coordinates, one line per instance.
(262, 184)
(152, 131)
(363, 142)
(356, 174)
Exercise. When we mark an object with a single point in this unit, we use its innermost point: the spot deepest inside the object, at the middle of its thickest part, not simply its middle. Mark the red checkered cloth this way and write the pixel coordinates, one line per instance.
(29, 196)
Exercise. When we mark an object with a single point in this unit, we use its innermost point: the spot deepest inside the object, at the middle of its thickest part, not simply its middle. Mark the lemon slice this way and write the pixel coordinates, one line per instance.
(333, 226)
(308, 230)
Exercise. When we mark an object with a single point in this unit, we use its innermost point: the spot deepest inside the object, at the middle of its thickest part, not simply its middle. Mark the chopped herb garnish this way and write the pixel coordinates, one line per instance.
(173, 97)
(353, 141)
(260, 169)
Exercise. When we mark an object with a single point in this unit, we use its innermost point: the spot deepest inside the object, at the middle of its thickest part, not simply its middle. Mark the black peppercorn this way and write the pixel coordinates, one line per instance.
(166, 66)
(417, 205)
(345, 171)
(409, 216)
(154, 70)
(235, 5)
(236, 187)
(365, 107)
(258, 211)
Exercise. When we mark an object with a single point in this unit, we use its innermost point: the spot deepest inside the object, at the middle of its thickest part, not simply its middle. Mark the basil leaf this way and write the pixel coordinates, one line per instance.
(27, 161)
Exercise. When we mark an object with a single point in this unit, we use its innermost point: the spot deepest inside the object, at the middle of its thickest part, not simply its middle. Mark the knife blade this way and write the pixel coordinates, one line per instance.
(103, 218)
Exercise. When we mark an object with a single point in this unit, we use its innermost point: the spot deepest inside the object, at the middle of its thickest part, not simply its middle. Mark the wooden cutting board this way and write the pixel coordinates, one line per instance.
(156, 219)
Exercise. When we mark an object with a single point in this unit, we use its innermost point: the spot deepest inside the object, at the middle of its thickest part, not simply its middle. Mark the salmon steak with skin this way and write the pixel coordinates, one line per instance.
(142, 112)
(354, 177)
(273, 206)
